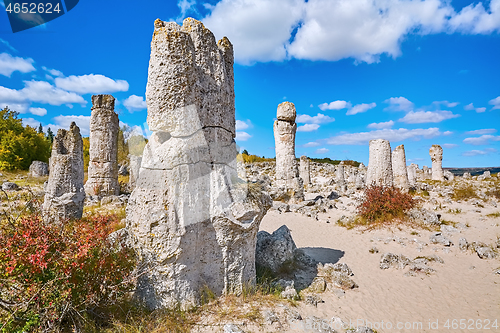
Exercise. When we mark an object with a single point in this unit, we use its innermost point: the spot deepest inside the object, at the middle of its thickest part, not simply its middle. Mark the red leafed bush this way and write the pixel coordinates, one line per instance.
(384, 204)
(51, 273)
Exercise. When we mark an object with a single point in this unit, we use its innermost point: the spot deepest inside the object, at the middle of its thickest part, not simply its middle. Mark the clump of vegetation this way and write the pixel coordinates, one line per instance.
(384, 204)
(494, 215)
(494, 192)
(464, 192)
(455, 211)
(335, 162)
(56, 275)
(246, 158)
(19, 145)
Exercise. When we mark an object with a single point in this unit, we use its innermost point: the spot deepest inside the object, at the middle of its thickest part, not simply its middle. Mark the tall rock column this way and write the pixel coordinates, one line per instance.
(64, 192)
(399, 169)
(379, 164)
(103, 166)
(193, 222)
(436, 153)
(287, 173)
(412, 174)
(305, 170)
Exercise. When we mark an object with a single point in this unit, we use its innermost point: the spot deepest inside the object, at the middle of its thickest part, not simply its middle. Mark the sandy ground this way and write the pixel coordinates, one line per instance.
(464, 288)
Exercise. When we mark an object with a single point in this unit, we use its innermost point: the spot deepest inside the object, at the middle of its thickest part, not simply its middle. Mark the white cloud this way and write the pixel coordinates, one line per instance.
(449, 145)
(399, 104)
(474, 19)
(10, 64)
(38, 111)
(135, 103)
(470, 107)
(31, 122)
(259, 29)
(420, 117)
(495, 102)
(53, 72)
(482, 131)
(482, 140)
(387, 124)
(185, 6)
(480, 110)
(64, 122)
(360, 108)
(91, 84)
(387, 134)
(318, 119)
(243, 125)
(335, 105)
(242, 136)
(6, 43)
(311, 144)
(321, 151)
(307, 128)
(447, 133)
(486, 151)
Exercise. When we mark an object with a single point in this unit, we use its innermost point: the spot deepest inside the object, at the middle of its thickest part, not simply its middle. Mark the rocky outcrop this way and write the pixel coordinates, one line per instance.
(103, 165)
(305, 170)
(379, 164)
(133, 169)
(192, 221)
(412, 174)
(399, 168)
(64, 192)
(436, 153)
(287, 173)
(38, 169)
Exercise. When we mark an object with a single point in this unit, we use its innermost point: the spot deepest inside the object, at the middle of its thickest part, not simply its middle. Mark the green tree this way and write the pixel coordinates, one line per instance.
(40, 129)
(50, 135)
(245, 152)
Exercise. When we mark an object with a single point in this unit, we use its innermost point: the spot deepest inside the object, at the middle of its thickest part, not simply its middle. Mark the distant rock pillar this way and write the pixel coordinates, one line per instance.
(436, 153)
(305, 170)
(379, 164)
(103, 166)
(412, 174)
(287, 173)
(399, 170)
(64, 192)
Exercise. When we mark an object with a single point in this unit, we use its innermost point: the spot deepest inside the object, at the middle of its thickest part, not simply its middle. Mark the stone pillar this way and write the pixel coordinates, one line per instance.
(192, 221)
(426, 173)
(412, 174)
(287, 173)
(436, 153)
(400, 173)
(305, 170)
(133, 169)
(64, 193)
(379, 165)
(340, 175)
(103, 165)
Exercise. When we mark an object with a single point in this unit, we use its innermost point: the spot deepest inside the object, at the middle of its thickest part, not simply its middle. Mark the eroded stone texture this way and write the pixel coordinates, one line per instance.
(412, 174)
(399, 170)
(340, 177)
(134, 168)
(64, 192)
(436, 153)
(305, 170)
(287, 173)
(426, 173)
(38, 169)
(103, 165)
(379, 164)
(193, 222)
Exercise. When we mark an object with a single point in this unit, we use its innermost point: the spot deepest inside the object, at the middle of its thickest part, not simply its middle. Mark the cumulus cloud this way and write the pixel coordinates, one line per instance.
(470, 107)
(421, 117)
(10, 64)
(135, 103)
(486, 151)
(387, 124)
(392, 135)
(482, 140)
(335, 105)
(91, 84)
(53, 72)
(399, 104)
(321, 151)
(242, 136)
(495, 102)
(449, 145)
(243, 125)
(447, 133)
(360, 108)
(31, 122)
(318, 119)
(307, 128)
(482, 131)
(38, 111)
(311, 144)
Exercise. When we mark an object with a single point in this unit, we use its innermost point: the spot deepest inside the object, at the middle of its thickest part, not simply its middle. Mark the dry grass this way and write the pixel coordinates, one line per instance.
(464, 192)
(494, 215)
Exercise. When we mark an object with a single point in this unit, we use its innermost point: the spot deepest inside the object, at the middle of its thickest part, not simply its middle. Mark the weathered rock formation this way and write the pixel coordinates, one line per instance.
(436, 153)
(103, 165)
(287, 173)
(379, 164)
(64, 192)
(38, 169)
(399, 170)
(133, 169)
(412, 174)
(193, 222)
(305, 170)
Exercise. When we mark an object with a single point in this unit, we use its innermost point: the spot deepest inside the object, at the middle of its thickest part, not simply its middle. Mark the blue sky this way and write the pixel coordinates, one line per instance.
(413, 72)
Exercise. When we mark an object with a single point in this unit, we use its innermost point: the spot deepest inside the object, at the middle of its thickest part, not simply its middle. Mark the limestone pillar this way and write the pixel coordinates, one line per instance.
(379, 165)
(436, 153)
(400, 173)
(305, 170)
(412, 174)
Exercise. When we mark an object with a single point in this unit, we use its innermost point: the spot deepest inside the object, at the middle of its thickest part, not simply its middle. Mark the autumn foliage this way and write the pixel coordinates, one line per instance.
(53, 273)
